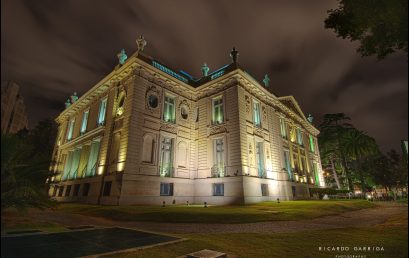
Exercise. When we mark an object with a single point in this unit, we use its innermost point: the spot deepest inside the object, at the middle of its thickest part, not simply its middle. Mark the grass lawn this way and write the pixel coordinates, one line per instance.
(266, 211)
(392, 236)
(13, 221)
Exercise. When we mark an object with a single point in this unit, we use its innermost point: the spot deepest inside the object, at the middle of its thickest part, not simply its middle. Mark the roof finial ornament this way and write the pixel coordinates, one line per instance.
(266, 81)
(310, 118)
(122, 57)
(74, 97)
(205, 70)
(140, 43)
(67, 103)
(234, 54)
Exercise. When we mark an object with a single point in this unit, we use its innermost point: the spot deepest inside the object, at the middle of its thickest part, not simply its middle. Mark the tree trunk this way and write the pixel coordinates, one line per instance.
(344, 164)
(335, 174)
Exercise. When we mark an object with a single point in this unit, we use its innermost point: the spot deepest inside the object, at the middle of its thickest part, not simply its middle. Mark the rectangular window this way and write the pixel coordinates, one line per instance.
(60, 191)
(260, 159)
(316, 175)
(217, 111)
(283, 129)
(85, 189)
(107, 188)
(68, 190)
(287, 163)
(218, 189)
(68, 165)
(166, 157)
(55, 189)
(218, 169)
(169, 112)
(264, 189)
(76, 190)
(256, 114)
(70, 129)
(84, 122)
(166, 189)
(93, 158)
(299, 136)
(312, 147)
(102, 111)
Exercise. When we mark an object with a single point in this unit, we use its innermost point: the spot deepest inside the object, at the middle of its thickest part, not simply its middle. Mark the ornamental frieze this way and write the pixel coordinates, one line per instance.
(217, 129)
(169, 128)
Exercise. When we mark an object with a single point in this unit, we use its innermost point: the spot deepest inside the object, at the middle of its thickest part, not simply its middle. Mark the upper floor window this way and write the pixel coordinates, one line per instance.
(312, 147)
(70, 128)
(169, 109)
(102, 111)
(256, 114)
(299, 136)
(217, 110)
(84, 122)
(283, 128)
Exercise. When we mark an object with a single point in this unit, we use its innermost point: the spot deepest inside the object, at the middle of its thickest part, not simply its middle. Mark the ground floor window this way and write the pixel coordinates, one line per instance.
(76, 189)
(60, 191)
(68, 190)
(218, 189)
(107, 188)
(85, 190)
(166, 189)
(264, 189)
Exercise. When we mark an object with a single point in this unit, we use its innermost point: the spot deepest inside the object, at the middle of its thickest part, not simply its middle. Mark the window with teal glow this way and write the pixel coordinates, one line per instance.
(84, 121)
(102, 111)
(299, 136)
(217, 110)
(70, 129)
(283, 129)
(256, 114)
(169, 109)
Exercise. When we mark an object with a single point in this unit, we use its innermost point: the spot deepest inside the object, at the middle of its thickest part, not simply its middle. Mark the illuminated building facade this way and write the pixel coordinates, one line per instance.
(146, 134)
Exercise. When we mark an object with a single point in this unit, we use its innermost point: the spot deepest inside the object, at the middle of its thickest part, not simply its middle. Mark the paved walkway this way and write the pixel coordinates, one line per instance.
(360, 218)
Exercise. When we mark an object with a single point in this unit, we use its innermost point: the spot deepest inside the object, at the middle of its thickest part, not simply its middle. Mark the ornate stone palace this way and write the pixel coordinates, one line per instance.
(146, 134)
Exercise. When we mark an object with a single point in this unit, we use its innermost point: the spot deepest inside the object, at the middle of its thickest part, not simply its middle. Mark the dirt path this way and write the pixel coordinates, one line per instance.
(360, 218)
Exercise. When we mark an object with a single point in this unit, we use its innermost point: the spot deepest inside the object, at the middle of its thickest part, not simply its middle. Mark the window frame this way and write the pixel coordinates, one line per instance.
(83, 128)
(218, 193)
(166, 106)
(169, 189)
(102, 107)
(220, 107)
(256, 113)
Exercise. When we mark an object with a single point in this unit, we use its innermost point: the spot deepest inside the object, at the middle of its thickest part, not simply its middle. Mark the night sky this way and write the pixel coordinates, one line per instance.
(53, 48)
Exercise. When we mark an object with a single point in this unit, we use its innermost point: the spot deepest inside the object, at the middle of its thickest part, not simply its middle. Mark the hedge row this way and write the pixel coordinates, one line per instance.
(329, 191)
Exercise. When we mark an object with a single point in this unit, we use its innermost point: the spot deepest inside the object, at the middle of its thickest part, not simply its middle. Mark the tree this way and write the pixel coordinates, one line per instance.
(381, 26)
(25, 160)
(332, 128)
(358, 146)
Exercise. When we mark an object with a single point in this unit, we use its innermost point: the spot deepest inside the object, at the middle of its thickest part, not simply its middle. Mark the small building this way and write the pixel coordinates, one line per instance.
(146, 134)
(13, 110)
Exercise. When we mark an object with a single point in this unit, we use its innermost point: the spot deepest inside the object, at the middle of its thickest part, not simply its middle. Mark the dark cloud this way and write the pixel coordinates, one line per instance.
(53, 48)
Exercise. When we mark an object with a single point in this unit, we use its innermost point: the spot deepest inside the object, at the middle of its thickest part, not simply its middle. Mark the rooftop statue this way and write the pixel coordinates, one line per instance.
(74, 97)
(266, 81)
(205, 70)
(122, 57)
(140, 43)
(234, 54)
(310, 118)
(67, 103)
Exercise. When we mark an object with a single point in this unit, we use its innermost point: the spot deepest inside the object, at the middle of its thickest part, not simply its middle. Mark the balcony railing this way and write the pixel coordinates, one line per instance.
(218, 171)
(166, 170)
